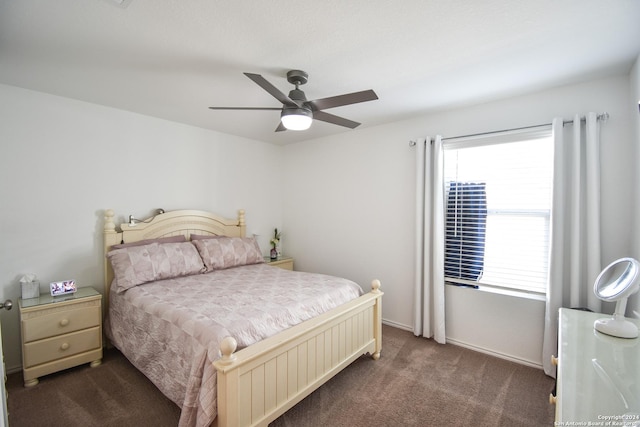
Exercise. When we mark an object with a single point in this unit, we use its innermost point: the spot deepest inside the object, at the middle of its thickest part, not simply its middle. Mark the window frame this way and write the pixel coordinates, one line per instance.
(491, 139)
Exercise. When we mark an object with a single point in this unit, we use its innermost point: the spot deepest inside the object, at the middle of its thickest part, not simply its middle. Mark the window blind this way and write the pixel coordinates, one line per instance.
(498, 234)
(465, 230)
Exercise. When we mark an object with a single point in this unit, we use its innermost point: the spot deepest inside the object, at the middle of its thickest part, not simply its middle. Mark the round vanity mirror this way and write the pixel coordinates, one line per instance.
(617, 282)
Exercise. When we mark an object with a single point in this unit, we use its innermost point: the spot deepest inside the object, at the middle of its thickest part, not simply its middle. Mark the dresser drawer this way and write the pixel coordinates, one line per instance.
(61, 346)
(59, 322)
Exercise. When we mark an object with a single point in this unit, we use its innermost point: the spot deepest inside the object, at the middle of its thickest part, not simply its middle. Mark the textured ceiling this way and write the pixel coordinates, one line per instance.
(172, 59)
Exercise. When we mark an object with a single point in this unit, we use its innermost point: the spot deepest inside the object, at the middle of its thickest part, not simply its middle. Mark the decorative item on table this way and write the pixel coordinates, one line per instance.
(275, 243)
(63, 288)
(30, 286)
(616, 283)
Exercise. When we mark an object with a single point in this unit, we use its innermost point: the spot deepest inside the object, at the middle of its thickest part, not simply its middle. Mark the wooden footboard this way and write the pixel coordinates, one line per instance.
(261, 382)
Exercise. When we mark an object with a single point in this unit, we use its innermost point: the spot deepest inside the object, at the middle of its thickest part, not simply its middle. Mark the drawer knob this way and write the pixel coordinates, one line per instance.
(64, 322)
(552, 399)
(554, 360)
(64, 346)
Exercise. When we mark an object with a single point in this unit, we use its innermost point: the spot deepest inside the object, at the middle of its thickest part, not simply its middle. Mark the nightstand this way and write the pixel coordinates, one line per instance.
(282, 262)
(60, 332)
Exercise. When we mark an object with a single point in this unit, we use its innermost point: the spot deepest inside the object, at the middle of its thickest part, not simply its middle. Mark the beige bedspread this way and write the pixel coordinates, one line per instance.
(171, 329)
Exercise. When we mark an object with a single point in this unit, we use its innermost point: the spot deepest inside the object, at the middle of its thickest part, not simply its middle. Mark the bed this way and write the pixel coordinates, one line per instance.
(218, 373)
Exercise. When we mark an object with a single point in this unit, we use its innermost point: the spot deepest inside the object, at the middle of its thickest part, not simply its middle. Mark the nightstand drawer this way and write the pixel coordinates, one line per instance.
(283, 262)
(60, 322)
(36, 353)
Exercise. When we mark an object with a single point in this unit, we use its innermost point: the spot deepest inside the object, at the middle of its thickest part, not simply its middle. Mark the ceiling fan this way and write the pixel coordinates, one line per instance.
(296, 112)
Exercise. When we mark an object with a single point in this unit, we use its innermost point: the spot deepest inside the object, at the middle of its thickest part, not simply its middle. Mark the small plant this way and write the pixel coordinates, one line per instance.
(276, 239)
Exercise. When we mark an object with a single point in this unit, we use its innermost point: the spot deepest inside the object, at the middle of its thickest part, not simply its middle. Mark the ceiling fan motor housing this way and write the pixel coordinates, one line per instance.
(297, 77)
(297, 95)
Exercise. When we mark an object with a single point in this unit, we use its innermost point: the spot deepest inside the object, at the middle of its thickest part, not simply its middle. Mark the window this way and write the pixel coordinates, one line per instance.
(498, 206)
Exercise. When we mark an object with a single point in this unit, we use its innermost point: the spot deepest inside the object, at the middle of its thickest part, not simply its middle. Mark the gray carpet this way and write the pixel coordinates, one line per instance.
(416, 382)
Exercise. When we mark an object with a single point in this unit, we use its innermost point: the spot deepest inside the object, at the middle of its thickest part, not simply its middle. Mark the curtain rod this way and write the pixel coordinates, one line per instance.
(602, 116)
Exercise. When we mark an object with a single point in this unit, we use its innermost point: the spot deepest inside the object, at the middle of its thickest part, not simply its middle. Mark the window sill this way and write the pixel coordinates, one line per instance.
(507, 292)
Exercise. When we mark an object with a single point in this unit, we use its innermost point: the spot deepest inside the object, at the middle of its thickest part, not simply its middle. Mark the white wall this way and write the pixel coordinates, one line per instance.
(349, 207)
(62, 162)
(633, 307)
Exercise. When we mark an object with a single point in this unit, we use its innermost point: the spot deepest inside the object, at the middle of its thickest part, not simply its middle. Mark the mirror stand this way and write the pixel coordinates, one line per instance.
(617, 282)
(617, 325)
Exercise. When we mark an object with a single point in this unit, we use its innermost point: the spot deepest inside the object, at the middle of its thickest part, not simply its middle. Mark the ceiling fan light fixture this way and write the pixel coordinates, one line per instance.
(296, 118)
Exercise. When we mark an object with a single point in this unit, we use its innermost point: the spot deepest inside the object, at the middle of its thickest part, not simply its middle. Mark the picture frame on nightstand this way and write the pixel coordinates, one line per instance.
(63, 288)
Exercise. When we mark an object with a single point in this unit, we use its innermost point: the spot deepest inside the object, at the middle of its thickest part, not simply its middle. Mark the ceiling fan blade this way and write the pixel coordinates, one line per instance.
(245, 108)
(330, 118)
(280, 127)
(340, 100)
(273, 91)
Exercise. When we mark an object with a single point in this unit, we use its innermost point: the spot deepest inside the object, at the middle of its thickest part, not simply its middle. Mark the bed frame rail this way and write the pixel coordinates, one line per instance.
(259, 383)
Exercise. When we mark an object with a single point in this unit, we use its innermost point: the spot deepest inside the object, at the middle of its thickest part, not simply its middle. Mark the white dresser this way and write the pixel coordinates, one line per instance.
(598, 378)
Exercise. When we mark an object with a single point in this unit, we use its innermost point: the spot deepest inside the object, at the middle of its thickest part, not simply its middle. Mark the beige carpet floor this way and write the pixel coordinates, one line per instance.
(416, 382)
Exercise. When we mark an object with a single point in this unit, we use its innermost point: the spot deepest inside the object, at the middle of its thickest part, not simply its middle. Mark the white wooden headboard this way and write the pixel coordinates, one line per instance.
(172, 223)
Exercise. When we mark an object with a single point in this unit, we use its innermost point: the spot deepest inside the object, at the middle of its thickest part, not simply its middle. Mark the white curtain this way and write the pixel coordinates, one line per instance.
(575, 226)
(429, 275)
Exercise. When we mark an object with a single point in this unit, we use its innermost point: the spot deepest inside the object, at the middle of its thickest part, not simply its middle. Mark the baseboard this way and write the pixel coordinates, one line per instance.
(397, 325)
(13, 369)
(473, 347)
(495, 353)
